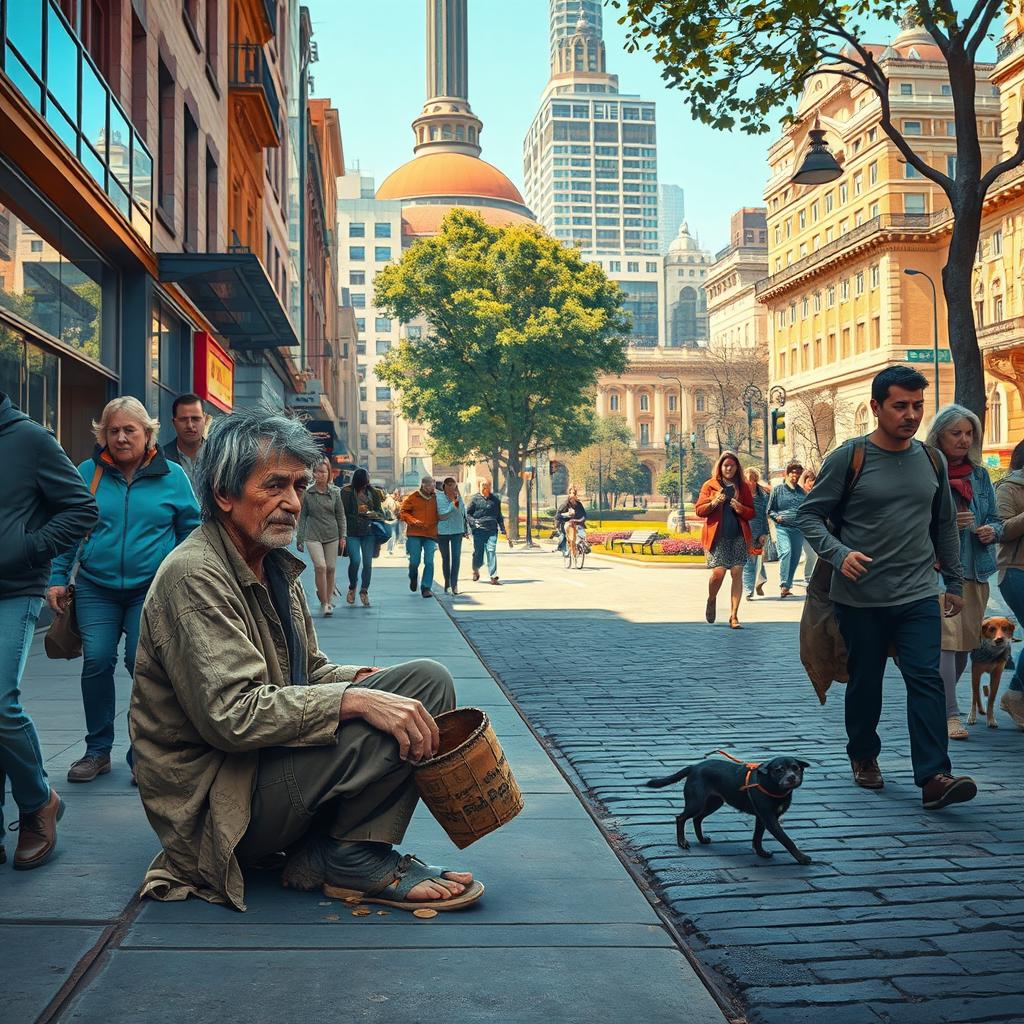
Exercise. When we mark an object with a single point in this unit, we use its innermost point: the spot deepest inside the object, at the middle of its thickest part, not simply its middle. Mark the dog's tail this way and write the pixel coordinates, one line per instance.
(658, 783)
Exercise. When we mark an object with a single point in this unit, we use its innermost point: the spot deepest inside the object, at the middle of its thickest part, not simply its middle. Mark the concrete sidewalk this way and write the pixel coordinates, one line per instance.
(563, 933)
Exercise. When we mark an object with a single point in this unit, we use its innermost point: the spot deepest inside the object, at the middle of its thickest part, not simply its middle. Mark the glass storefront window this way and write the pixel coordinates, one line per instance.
(57, 285)
(170, 347)
(78, 105)
(30, 376)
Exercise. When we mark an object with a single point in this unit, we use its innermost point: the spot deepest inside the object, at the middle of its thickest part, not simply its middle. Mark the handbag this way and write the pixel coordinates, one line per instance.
(770, 552)
(380, 531)
(62, 640)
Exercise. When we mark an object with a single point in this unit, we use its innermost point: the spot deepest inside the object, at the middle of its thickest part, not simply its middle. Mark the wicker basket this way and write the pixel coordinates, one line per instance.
(469, 786)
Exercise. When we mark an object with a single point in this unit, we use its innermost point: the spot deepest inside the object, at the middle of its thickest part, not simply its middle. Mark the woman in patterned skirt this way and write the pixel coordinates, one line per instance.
(726, 506)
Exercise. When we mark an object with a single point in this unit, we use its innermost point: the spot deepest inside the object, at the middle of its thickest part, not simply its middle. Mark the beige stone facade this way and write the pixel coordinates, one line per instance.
(840, 304)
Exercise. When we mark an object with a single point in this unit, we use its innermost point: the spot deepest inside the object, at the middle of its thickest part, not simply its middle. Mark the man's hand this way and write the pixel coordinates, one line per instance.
(855, 565)
(952, 604)
(407, 720)
(57, 598)
(341, 545)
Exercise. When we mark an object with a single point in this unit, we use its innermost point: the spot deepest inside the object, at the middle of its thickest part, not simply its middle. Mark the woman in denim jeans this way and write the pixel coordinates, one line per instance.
(1010, 562)
(956, 432)
(759, 532)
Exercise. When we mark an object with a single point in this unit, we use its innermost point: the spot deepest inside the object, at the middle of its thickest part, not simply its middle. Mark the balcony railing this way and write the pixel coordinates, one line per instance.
(44, 58)
(1007, 46)
(249, 73)
(902, 222)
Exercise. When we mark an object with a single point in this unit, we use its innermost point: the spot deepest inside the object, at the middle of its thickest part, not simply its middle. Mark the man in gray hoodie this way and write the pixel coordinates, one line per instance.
(46, 510)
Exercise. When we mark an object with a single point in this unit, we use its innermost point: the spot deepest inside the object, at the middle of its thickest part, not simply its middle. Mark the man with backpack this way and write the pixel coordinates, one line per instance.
(888, 500)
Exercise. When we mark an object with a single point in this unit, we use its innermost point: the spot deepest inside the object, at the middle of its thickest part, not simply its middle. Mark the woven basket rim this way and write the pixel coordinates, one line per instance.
(438, 762)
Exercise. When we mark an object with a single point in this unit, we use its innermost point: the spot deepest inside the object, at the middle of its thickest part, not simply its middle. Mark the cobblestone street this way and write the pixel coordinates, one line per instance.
(903, 917)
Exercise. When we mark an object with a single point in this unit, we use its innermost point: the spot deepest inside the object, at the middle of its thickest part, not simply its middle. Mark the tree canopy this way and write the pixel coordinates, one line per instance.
(741, 63)
(519, 328)
(608, 460)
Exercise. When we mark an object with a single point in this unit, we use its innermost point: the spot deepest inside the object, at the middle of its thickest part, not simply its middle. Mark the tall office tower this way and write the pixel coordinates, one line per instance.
(590, 159)
(671, 214)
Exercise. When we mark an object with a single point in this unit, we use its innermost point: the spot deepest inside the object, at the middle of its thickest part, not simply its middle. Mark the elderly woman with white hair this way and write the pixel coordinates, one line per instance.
(147, 508)
(956, 432)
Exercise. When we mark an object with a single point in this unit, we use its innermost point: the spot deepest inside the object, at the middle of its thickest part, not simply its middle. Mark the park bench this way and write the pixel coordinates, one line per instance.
(638, 538)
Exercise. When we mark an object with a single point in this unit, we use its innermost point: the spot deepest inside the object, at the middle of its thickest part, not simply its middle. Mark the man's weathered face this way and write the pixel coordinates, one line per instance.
(485, 488)
(189, 423)
(900, 414)
(427, 487)
(266, 513)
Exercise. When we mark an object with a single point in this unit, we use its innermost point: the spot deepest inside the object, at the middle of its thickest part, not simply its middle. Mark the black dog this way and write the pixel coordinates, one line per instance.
(764, 790)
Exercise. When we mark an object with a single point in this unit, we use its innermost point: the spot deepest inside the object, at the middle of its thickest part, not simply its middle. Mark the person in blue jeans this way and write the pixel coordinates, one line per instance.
(46, 510)
(147, 507)
(1010, 563)
(783, 506)
(754, 567)
(485, 520)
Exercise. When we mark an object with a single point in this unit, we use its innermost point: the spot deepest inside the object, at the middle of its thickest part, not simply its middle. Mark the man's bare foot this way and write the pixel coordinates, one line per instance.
(451, 883)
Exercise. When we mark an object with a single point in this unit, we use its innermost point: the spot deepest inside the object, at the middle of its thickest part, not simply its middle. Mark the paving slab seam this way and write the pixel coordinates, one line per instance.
(725, 999)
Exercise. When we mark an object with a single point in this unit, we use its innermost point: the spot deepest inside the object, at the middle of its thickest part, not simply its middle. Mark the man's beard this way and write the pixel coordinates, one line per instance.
(272, 537)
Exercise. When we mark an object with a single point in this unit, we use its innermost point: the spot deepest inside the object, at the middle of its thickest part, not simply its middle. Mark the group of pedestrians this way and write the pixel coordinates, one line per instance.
(91, 538)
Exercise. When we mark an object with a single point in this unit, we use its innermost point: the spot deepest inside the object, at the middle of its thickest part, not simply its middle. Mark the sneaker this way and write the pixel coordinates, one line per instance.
(943, 789)
(867, 774)
(328, 611)
(955, 728)
(87, 768)
(323, 610)
(750, 595)
(1012, 702)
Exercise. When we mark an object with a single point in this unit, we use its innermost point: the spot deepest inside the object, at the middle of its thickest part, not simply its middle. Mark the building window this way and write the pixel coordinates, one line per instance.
(951, 165)
(381, 230)
(803, 308)
(906, 89)
(817, 302)
(382, 417)
(994, 416)
(910, 171)
(913, 202)
(830, 296)
(873, 275)
(383, 346)
(858, 184)
(858, 283)
(190, 182)
(383, 394)
(873, 173)
(652, 268)
(997, 309)
(357, 252)
(382, 253)
(166, 142)
(671, 403)
(382, 324)
(414, 333)
(356, 229)
(699, 401)
(911, 127)
(212, 180)
(358, 302)
(844, 192)
(814, 213)
(613, 402)
(645, 435)
(383, 440)
(645, 403)
(844, 289)
(945, 90)
(357, 277)
(829, 200)
(997, 243)
(212, 35)
(860, 421)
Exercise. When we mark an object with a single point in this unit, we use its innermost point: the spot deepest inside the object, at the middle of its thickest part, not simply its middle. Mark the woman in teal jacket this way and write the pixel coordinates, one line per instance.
(146, 509)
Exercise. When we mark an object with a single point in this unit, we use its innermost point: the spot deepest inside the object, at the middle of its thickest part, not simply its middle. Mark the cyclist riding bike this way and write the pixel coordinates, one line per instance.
(570, 517)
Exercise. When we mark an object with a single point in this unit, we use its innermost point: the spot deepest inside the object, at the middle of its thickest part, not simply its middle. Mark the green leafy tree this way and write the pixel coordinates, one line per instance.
(737, 63)
(667, 484)
(608, 457)
(520, 329)
(696, 471)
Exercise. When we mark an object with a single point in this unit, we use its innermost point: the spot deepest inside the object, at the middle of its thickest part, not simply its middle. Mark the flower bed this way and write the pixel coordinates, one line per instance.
(680, 546)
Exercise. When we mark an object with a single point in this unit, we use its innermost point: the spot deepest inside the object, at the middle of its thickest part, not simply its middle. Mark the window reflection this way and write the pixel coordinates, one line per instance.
(30, 377)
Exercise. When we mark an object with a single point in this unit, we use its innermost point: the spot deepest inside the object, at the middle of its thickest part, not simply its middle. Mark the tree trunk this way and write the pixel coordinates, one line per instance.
(957, 288)
(514, 483)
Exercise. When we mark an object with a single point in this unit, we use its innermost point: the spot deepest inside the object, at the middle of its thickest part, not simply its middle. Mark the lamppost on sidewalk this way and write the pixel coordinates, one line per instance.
(528, 475)
(668, 441)
(752, 396)
(911, 272)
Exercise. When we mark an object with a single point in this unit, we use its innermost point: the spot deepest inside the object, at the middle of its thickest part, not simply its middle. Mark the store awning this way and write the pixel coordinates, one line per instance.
(233, 292)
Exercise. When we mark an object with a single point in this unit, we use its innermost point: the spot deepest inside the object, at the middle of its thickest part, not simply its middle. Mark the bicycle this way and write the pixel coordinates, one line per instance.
(576, 547)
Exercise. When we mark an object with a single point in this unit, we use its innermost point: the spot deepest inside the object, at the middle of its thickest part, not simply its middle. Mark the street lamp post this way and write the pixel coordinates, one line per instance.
(752, 396)
(682, 510)
(911, 272)
(528, 473)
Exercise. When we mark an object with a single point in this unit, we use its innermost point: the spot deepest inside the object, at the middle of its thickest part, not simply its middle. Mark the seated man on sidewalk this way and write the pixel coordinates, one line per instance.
(247, 740)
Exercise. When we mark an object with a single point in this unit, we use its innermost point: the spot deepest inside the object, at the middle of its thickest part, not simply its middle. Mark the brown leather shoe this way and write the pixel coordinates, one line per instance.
(867, 774)
(37, 834)
(942, 790)
(87, 768)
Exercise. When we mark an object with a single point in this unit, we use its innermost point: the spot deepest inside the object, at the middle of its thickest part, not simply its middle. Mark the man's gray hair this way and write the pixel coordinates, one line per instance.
(237, 443)
(945, 418)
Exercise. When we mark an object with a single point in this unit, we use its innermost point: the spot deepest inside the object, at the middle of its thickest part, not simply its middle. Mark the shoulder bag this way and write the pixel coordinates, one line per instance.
(62, 640)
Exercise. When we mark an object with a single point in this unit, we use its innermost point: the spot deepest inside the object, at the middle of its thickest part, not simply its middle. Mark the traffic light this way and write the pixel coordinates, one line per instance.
(778, 426)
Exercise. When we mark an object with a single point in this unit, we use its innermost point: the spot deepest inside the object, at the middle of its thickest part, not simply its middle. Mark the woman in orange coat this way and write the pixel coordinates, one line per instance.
(726, 506)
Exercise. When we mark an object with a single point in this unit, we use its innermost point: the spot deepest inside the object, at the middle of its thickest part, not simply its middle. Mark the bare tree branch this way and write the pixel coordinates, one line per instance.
(1014, 160)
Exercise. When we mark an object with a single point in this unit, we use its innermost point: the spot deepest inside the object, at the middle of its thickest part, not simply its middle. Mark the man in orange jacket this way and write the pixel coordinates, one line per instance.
(419, 513)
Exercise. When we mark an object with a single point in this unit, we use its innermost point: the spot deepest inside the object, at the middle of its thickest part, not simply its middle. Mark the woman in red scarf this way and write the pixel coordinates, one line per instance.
(726, 506)
(956, 432)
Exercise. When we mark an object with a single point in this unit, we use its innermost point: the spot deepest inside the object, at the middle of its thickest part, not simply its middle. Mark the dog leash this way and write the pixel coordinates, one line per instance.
(751, 767)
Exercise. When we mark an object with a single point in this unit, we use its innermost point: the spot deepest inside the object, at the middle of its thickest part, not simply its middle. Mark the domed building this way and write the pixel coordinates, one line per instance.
(686, 302)
(446, 171)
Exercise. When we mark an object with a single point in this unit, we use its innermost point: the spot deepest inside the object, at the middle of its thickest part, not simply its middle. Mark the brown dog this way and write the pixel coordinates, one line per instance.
(990, 657)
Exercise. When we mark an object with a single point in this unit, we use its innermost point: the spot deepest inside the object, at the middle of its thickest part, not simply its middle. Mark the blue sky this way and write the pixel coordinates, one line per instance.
(371, 66)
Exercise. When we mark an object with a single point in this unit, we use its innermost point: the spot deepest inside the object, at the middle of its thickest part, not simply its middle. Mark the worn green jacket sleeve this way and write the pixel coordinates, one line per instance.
(219, 677)
(339, 514)
(813, 514)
